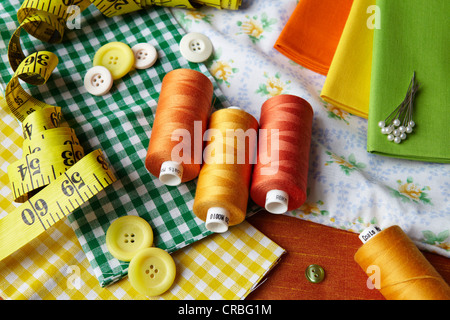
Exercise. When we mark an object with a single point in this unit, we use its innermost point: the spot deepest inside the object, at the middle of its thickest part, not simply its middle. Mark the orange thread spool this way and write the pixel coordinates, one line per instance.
(223, 184)
(280, 185)
(183, 108)
(404, 272)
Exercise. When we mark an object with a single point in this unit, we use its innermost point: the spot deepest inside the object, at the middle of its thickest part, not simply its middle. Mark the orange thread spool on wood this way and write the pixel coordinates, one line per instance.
(223, 184)
(404, 272)
(279, 185)
(182, 114)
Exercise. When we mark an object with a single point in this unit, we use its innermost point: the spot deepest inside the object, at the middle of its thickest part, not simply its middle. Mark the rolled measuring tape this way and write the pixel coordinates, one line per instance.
(47, 154)
(57, 200)
(46, 20)
(54, 177)
(51, 180)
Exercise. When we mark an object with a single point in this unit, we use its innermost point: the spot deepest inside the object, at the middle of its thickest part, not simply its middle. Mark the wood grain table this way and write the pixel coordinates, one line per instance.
(333, 249)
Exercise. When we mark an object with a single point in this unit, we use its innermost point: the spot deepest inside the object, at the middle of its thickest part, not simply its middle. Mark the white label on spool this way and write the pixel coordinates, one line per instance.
(369, 233)
(171, 173)
(217, 219)
(277, 201)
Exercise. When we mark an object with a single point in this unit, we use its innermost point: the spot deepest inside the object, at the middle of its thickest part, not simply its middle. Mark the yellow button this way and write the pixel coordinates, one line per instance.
(127, 235)
(152, 272)
(117, 57)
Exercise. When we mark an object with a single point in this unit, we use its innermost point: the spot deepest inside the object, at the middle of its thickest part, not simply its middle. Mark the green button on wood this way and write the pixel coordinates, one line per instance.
(315, 273)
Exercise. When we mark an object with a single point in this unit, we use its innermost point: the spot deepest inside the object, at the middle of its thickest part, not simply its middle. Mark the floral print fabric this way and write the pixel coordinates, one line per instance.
(348, 188)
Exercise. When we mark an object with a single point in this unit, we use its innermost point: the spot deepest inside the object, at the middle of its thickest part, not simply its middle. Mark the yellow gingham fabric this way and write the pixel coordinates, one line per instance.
(222, 266)
(10, 150)
(53, 266)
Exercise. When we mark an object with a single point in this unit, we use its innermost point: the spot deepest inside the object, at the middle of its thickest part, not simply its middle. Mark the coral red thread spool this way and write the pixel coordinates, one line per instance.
(176, 142)
(280, 175)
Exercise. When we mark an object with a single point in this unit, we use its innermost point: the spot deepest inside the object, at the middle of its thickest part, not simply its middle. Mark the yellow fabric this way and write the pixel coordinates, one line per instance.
(11, 141)
(347, 85)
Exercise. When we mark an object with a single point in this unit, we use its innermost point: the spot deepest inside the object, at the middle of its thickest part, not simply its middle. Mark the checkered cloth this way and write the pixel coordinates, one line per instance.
(222, 266)
(119, 124)
(54, 266)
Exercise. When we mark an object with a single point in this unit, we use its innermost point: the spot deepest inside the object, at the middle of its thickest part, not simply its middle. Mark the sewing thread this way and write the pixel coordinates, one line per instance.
(183, 107)
(288, 121)
(223, 186)
(405, 273)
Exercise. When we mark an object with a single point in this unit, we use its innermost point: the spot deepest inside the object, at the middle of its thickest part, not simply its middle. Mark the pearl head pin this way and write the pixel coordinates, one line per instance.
(400, 123)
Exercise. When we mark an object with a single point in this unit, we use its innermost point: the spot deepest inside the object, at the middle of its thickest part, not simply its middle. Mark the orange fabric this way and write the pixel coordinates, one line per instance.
(312, 33)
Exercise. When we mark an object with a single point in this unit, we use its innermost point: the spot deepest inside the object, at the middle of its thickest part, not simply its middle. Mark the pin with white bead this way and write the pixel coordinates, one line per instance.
(400, 122)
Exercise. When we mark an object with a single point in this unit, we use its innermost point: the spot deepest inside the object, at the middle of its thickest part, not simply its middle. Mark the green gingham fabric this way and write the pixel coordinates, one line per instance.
(119, 123)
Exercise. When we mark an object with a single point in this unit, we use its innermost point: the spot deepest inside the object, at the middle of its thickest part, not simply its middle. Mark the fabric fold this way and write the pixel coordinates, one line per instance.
(312, 33)
(347, 85)
(413, 37)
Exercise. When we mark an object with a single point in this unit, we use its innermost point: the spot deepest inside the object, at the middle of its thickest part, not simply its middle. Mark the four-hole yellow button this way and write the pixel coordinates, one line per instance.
(117, 57)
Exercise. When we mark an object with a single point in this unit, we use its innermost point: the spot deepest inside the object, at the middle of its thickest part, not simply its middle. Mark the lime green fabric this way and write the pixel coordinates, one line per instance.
(413, 37)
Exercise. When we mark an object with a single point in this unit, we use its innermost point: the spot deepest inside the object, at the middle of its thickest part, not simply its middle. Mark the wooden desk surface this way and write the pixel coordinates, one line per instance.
(309, 243)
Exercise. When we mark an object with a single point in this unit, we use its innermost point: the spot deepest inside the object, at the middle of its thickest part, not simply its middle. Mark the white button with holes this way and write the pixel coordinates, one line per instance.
(145, 55)
(98, 80)
(196, 47)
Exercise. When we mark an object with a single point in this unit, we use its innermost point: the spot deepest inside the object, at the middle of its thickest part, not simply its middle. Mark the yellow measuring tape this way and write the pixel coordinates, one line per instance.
(47, 154)
(54, 176)
(118, 7)
(65, 194)
(47, 19)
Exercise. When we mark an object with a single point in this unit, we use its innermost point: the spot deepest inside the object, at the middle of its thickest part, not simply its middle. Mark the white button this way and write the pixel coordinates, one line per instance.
(196, 47)
(98, 80)
(145, 55)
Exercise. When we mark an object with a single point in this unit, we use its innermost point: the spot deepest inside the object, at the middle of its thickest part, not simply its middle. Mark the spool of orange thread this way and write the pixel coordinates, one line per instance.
(280, 175)
(223, 184)
(403, 273)
(176, 142)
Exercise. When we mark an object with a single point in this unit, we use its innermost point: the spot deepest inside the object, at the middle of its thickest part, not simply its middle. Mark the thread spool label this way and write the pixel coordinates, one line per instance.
(217, 219)
(171, 169)
(216, 216)
(171, 173)
(277, 197)
(369, 233)
(277, 201)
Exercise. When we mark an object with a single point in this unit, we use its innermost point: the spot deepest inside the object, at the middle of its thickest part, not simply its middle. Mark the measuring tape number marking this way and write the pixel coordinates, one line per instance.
(65, 194)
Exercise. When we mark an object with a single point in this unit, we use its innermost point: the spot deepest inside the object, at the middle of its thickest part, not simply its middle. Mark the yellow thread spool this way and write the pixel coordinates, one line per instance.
(404, 272)
(223, 184)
